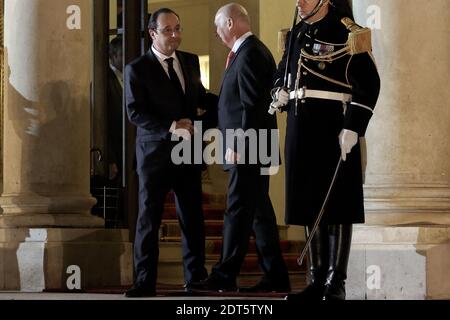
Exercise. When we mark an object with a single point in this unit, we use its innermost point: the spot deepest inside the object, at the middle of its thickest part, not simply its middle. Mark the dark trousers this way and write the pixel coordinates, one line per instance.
(249, 209)
(154, 184)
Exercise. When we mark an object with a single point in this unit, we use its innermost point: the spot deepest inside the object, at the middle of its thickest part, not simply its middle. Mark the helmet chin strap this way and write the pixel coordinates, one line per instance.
(315, 10)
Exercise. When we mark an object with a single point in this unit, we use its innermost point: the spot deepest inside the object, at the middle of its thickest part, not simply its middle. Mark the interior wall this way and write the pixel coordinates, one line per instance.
(194, 20)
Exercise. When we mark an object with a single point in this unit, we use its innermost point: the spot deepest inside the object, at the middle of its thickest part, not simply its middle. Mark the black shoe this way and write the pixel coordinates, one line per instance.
(212, 283)
(334, 291)
(187, 285)
(139, 291)
(267, 286)
(311, 293)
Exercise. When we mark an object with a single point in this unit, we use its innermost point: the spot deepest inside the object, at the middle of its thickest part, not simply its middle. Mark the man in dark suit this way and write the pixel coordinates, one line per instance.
(243, 102)
(114, 112)
(163, 91)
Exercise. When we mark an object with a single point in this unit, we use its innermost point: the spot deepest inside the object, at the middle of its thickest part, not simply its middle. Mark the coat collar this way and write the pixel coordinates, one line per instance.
(236, 54)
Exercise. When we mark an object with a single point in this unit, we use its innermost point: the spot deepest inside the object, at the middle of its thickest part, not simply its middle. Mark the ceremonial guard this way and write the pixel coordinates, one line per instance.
(329, 85)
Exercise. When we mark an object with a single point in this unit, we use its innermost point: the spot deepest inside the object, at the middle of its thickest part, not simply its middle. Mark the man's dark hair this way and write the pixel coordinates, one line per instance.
(153, 21)
(342, 8)
(115, 47)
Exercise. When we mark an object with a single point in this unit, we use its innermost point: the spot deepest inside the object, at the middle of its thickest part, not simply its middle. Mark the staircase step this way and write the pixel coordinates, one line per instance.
(207, 199)
(170, 252)
(210, 212)
(251, 264)
(170, 230)
(171, 271)
(170, 260)
(213, 246)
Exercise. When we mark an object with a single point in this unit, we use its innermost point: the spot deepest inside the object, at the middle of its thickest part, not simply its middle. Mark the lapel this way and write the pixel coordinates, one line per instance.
(161, 73)
(184, 66)
(236, 55)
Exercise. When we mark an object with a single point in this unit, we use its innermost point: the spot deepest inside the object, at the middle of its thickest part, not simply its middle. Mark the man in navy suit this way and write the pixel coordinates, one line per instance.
(243, 103)
(163, 92)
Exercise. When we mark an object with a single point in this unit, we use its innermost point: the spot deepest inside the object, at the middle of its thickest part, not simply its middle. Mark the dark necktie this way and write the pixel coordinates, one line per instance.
(229, 58)
(174, 77)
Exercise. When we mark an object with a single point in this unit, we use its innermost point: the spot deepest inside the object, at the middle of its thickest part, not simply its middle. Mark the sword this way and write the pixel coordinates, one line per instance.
(319, 217)
(289, 48)
(275, 105)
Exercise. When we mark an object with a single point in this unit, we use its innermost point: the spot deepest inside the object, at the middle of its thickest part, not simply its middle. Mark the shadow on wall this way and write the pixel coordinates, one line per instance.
(50, 132)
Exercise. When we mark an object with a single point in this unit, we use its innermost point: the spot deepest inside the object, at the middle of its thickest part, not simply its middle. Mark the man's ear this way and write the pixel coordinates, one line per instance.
(151, 33)
(230, 23)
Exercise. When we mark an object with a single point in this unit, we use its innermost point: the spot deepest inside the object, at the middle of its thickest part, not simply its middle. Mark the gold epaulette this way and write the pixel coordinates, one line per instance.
(359, 38)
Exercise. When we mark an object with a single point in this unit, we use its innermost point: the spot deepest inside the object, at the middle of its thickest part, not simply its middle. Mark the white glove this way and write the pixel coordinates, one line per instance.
(282, 96)
(280, 99)
(347, 140)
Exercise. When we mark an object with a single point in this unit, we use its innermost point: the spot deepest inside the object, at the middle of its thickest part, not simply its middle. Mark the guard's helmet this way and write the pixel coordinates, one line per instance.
(342, 8)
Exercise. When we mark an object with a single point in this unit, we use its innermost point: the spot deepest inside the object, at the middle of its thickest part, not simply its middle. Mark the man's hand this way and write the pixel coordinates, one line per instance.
(347, 140)
(280, 99)
(232, 157)
(184, 129)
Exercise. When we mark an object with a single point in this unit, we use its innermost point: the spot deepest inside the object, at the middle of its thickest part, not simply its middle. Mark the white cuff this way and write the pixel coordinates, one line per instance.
(361, 106)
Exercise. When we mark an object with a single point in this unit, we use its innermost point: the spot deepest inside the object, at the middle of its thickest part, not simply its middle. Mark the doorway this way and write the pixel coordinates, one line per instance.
(119, 37)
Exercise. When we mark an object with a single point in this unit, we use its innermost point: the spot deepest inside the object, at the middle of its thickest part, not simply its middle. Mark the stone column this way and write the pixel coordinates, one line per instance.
(48, 238)
(407, 188)
(408, 172)
(47, 114)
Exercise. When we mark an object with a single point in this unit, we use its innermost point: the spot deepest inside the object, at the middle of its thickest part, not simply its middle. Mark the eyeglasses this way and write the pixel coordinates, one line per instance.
(169, 31)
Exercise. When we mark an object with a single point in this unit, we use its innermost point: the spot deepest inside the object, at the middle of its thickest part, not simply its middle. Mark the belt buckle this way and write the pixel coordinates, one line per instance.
(301, 93)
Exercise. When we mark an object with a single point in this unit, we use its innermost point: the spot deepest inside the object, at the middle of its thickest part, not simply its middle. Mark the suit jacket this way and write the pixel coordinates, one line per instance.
(114, 112)
(153, 103)
(245, 96)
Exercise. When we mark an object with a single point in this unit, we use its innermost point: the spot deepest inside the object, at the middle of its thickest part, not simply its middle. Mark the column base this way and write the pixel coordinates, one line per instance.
(68, 220)
(399, 263)
(24, 203)
(407, 204)
(35, 260)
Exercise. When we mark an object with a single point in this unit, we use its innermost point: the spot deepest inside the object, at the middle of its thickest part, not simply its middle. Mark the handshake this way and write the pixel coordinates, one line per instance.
(280, 99)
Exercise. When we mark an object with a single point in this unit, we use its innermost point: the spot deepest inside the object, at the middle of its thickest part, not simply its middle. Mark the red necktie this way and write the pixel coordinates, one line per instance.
(229, 58)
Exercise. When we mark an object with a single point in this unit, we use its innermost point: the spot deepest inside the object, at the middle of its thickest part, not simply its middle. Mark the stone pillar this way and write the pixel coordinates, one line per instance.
(407, 191)
(47, 114)
(48, 238)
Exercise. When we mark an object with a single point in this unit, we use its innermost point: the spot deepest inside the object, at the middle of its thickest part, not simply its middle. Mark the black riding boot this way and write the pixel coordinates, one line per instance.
(318, 263)
(340, 239)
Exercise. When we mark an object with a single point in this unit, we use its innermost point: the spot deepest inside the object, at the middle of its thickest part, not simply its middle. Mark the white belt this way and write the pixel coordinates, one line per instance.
(319, 94)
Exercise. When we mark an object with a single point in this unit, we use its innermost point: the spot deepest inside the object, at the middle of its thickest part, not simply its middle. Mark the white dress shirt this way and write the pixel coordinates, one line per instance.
(176, 65)
(240, 41)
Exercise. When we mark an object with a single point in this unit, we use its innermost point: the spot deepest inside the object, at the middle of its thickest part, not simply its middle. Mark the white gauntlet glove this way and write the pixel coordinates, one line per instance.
(280, 99)
(347, 140)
